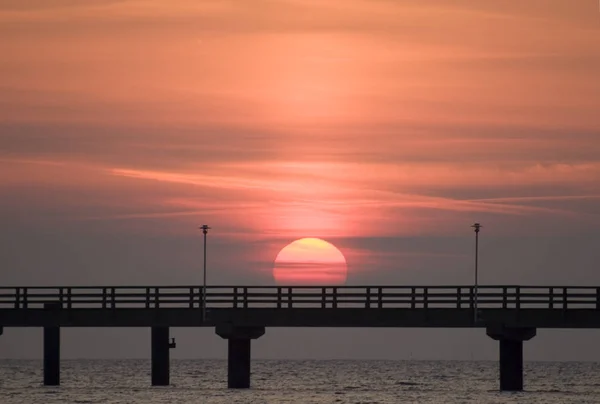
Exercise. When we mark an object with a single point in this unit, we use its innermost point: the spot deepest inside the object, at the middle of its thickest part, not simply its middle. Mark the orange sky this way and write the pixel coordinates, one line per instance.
(378, 125)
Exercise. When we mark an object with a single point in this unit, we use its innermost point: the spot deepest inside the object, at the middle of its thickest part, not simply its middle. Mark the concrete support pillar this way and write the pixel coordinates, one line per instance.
(1, 330)
(511, 365)
(238, 364)
(52, 350)
(160, 355)
(511, 354)
(52, 356)
(238, 361)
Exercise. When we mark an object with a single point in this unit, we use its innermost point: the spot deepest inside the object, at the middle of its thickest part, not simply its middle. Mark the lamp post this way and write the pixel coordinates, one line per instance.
(476, 226)
(205, 229)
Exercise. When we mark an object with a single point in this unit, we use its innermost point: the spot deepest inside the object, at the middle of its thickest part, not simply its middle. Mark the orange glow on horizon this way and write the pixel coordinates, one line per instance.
(310, 261)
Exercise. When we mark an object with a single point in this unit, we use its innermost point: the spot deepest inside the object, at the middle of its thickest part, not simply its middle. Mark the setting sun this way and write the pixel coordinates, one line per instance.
(310, 261)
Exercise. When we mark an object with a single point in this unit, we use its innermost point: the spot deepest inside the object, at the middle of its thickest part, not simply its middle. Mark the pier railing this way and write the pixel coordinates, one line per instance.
(326, 297)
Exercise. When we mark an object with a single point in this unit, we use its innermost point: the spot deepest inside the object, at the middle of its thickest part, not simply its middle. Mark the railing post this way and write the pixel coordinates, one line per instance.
(191, 298)
(245, 298)
(565, 299)
(551, 297)
(368, 302)
(147, 298)
(471, 297)
(18, 298)
(104, 298)
(60, 296)
(278, 297)
(380, 297)
(458, 297)
(597, 298)
(323, 298)
(69, 295)
(505, 297)
(413, 296)
(425, 298)
(335, 298)
(518, 298)
(289, 298)
(235, 297)
(113, 298)
(156, 299)
(25, 302)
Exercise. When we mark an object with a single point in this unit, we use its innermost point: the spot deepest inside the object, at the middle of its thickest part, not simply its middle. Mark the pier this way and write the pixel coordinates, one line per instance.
(510, 315)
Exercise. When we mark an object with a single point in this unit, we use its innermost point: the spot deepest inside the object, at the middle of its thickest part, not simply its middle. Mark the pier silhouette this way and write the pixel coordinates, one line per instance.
(239, 314)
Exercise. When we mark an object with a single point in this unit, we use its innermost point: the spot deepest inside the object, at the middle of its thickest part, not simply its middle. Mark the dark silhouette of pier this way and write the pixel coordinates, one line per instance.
(509, 314)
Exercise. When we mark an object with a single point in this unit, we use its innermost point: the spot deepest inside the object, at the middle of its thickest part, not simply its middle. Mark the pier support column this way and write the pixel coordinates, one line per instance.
(1, 330)
(511, 354)
(238, 361)
(52, 350)
(160, 355)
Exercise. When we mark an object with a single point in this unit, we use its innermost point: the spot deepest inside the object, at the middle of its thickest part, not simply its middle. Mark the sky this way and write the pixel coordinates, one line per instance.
(384, 127)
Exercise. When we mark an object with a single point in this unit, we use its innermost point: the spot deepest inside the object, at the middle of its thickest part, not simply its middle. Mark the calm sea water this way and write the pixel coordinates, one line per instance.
(311, 381)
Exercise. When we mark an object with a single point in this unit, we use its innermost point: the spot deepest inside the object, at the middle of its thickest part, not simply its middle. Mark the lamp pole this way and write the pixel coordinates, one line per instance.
(477, 227)
(205, 229)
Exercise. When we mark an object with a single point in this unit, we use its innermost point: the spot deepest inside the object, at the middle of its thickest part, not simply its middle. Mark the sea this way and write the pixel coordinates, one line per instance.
(300, 381)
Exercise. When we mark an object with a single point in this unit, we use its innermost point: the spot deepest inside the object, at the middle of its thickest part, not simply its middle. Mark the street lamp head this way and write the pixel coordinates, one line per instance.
(477, 226)
(205, 228)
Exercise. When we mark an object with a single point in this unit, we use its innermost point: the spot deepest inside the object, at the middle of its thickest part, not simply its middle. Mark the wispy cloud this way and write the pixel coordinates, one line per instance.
(295, 192)
(341, 178)
(541, 198)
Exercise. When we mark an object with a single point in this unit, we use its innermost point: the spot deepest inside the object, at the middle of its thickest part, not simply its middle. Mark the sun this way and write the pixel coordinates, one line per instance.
(310, 261)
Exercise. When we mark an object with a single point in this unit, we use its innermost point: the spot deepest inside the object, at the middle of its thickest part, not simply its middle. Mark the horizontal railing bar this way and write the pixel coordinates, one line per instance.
(250, 295)
(260, 302)
(36, 292)
(464, 300)
(210, 293)
(120, 287)
(319, 297)
(275, 298)
(373, 298)
(450, 304)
